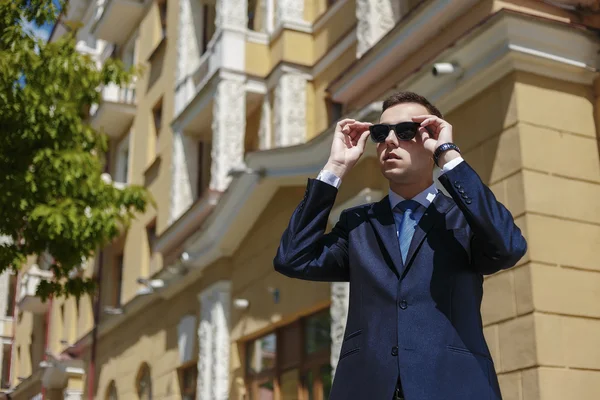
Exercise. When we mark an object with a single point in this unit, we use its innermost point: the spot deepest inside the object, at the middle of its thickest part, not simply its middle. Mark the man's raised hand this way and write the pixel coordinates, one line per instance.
(349, 141)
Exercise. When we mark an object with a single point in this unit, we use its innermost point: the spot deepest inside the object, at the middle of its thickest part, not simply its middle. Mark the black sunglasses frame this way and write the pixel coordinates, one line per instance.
(404, 131)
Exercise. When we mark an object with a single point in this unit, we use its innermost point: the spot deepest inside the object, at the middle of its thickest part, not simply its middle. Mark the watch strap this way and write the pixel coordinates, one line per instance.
(442, 149)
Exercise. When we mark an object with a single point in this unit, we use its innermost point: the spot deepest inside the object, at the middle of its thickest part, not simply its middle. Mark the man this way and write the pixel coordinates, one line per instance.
(415, 260)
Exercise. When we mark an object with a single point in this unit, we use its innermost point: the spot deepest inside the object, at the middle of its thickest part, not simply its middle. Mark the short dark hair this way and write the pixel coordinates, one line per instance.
(410, 97)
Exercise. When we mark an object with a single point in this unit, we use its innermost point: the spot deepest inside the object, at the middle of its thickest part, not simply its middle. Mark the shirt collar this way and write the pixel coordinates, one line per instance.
(424, 198)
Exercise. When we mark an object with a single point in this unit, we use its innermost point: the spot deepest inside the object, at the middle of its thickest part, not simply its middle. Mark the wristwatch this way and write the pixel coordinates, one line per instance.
(442, 149)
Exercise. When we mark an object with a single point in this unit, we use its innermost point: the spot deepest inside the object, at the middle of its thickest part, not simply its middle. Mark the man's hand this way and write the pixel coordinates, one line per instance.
(437, 133)
(349, 141)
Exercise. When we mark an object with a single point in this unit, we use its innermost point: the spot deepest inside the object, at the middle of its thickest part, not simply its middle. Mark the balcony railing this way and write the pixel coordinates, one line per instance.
(116, 18)
(27, 300)
(116, 111)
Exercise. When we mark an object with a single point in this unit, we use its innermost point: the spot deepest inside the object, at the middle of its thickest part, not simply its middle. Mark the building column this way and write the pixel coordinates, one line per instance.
(232, 14)
(289, 12)
(290, 110)
(189, 51)
(183, 174)
(213, 340)
(265, 138)
(375, 19)
(228, 131)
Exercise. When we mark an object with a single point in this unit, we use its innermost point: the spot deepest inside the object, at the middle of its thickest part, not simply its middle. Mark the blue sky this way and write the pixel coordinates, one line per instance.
(41, 32)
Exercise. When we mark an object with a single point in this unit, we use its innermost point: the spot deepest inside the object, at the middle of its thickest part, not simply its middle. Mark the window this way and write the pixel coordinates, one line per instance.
(6, 362)
(157, 115)
(151, 234)
(118, 280)
(334, 111)
(188, 375)
(144, 383)
(251, 14)
(203, 168)
(162, 9)
(209, 13)
(111, 392)
(12, 293)
(122, 160)
(292, 362)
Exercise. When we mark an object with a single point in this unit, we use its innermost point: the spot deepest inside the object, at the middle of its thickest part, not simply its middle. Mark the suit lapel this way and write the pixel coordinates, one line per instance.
(382, 220)
(436, 212)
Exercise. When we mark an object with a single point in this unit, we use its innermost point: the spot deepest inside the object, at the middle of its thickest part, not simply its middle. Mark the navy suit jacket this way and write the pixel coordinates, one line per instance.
(419, 322)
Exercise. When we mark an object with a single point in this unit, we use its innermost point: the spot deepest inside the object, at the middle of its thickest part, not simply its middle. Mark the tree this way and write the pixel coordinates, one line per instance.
(52, 195)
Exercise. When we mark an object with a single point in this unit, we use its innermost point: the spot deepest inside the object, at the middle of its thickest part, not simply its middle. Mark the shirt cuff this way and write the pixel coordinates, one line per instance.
(329, 178)
(451, 164)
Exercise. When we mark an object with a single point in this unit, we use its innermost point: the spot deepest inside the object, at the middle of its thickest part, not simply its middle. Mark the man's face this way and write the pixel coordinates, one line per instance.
(404, 161)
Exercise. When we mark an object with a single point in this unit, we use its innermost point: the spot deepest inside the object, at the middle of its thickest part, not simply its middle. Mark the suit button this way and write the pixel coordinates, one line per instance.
(468, 201)
(403, 304)
(461, 190)
(395, 351)
(457, 185)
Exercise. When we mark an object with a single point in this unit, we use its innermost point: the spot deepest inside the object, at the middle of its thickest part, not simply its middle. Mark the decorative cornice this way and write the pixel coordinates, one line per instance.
(508, 42)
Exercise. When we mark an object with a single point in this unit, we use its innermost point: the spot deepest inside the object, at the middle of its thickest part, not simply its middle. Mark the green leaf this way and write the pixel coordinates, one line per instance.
(51, 159)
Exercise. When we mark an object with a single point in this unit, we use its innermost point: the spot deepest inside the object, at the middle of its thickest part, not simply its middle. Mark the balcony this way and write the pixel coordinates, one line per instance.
(114, 115)
(115, 19)
(27, 300)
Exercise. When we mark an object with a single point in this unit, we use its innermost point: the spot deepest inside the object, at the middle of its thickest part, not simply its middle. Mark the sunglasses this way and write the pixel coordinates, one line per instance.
(403, 130)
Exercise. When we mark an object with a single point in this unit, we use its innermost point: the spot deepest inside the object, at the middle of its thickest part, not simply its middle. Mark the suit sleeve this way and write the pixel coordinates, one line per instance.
(497, 242)
(305, 251)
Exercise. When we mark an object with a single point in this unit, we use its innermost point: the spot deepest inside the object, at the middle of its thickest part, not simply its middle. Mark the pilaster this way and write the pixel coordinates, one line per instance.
(183, 172)
(375, 19)
(228, 129)
(290, 110)
(213, 335)
(289, 11)
(232, 14)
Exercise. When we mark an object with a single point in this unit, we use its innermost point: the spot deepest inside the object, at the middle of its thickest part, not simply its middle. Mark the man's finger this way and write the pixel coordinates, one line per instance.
(363, 138)
(421, 118)
(341, 124)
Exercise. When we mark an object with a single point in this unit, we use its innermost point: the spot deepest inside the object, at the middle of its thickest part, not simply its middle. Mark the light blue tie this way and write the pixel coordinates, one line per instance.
(408, 223)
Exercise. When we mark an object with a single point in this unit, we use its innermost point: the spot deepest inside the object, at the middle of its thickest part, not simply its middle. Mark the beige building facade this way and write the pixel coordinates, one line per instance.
(236, 110)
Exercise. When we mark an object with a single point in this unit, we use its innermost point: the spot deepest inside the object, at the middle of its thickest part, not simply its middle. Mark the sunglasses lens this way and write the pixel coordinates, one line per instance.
(379, 133)
(407, 130)
(406, 135)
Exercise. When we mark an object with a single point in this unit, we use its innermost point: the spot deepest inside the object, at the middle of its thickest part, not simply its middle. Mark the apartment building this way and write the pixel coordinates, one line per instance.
(236, 110)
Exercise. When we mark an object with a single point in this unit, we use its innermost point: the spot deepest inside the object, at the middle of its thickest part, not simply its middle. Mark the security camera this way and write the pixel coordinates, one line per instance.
(445, 69)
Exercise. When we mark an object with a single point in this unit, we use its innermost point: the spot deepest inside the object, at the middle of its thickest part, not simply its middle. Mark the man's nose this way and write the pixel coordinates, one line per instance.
(391, 139)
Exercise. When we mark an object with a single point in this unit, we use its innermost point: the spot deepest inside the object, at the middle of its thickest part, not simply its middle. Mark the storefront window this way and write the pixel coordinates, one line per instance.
(262, 354)
(291, 363)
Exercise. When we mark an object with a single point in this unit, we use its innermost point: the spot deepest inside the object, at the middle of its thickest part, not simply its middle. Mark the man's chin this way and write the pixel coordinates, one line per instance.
(394, 173)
